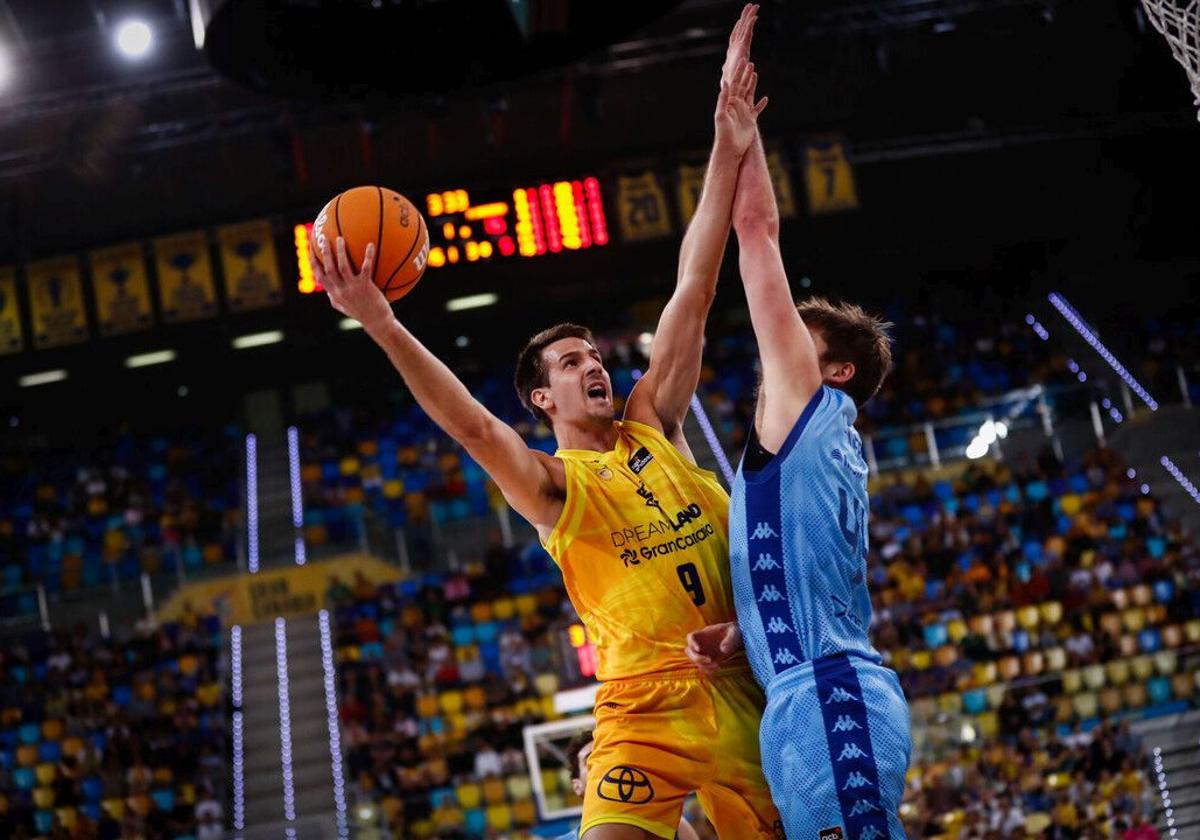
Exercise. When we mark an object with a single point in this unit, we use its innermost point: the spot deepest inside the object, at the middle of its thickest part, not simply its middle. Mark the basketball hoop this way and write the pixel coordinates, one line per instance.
(1179, 23)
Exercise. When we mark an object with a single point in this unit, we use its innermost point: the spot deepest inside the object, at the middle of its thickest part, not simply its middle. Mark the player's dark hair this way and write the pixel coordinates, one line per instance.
(852, 335)
(531, 367)
(574, 746)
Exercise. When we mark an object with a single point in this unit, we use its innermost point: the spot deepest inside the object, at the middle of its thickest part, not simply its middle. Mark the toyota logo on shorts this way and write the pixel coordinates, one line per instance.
(625, 784)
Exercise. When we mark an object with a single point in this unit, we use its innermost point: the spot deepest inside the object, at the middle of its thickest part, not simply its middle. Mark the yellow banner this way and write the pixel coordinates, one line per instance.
(284, 592)
(121, 288)
(11, 339)
(56, 302)
(248, 261)
(642, 207)
(829, 177)
(785, 199)
(688, 189)
(185, 278)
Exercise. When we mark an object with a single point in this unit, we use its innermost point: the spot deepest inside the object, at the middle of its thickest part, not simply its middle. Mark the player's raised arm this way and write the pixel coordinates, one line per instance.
(662, 397)
(790, 364)
(526, 477)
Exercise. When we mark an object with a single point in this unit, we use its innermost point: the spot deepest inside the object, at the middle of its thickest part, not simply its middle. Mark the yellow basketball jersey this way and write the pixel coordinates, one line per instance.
(643, 549)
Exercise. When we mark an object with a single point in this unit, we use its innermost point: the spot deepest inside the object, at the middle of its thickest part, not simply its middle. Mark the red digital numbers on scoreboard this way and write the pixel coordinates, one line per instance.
(584, 650)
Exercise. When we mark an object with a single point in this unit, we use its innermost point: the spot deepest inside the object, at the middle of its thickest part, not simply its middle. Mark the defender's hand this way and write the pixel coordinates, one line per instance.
(710, 647)
(354, 294)
(736, 118)
(739, 41)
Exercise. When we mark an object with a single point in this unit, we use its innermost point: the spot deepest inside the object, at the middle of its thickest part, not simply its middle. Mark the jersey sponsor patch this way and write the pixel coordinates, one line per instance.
(834, 833)
(639, 460)
(625, 784)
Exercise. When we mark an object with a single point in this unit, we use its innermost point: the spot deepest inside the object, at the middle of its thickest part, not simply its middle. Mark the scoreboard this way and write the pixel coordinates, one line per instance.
(522, 223)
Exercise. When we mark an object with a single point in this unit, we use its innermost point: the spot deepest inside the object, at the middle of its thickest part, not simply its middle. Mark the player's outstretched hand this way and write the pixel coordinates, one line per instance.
(739, 41)
(736, 118)
(352, 293)
(710, 647)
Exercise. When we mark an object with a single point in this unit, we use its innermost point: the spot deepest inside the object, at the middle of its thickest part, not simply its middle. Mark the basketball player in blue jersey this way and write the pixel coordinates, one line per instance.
(835, 734)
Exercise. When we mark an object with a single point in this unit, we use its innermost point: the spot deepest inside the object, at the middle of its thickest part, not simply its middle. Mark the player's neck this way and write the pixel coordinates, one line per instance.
(593, 436)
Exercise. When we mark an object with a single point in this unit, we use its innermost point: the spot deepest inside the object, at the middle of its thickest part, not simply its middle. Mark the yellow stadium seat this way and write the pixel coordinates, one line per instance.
(46, 773)
(43, 797)
(1110, 700)
(951, 703)
(349, 466)
(499, 817)
(1028, 617)
(114, 807)
(983, 673)
(475, 697)
(995, 694)
(1192, 630)
(66, 816)
(1005, 621)
(451, 702)
(526, 605)
(524, 812)
(1052, 612)
(456, 725)
(427, 705)
(1133, 619)
(945, 656)
(1135, 695)
(550, 779)
(1165, 662)
(1064, 712)
(1110, 623)
(1142, 667)
(519, 787)
(1009, 668)
(556, 801)
(957, 630)
(1036, 823)
(922, 659)
(1183, 686)
(546, 684)
(1086, 704)
(989, 724)
(549, 712)
(421, 828)
(52, 730)
(493, 791)
(469, 795)
(504, 609)
(1056, 659)
(1071, 503)
(1118, 672)
(1093, 677)
(1172, 636)
(448, 818)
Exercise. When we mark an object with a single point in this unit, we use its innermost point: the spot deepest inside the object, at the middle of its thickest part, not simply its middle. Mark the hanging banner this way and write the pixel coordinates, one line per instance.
(642, 207)
(185, 279)
(121, 289)
(249, 264)
(688, 189)
(829, 177)
(11, 338)
(56, 302)
(781, 180)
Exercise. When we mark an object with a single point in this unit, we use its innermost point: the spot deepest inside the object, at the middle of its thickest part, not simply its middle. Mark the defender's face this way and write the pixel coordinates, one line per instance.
(579, 783)
(579, 387)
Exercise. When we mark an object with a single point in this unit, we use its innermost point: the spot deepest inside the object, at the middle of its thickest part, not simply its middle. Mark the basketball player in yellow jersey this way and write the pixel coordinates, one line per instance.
(638, 530)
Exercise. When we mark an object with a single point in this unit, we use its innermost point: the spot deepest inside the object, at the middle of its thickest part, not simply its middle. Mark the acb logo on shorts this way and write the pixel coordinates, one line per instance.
(628, 785)
(834, 833)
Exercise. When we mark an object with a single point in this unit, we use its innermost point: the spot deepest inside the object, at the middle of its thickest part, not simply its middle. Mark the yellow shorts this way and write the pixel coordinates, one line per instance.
(659, 739)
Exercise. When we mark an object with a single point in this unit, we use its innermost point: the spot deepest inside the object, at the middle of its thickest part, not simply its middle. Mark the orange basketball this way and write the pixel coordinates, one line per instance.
(374, 214)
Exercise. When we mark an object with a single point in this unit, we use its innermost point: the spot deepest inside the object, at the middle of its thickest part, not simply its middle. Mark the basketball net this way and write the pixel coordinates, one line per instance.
(1179, 23)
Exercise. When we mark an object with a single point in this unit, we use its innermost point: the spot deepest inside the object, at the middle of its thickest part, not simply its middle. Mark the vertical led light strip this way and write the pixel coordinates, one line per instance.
(710, 435)
(285, 724)
(293, 438)
(1164, 791)
(1076, 321)
(554, 239)
(239, 755)
(335, 732)
(581, 213)
(252, 503)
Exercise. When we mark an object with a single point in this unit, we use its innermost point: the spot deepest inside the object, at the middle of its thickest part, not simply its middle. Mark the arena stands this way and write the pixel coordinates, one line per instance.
(119, 737)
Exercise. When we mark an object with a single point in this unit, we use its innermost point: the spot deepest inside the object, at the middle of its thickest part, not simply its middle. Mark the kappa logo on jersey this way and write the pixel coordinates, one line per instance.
(840, 695)
(856, 780)
(845, 723)
(834, 833)
(785, 657)
(765, 562)
(763, 531)
(778, 625)
(851, 751)
(639, 460)
(625, 784)
(863, 806)
(870, 833)
(770, 593)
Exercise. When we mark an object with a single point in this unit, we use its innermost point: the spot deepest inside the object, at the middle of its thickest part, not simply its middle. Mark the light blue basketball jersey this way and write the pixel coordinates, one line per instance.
(798, 544)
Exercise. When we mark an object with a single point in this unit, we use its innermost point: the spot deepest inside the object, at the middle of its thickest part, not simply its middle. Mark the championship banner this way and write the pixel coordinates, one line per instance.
(642, 207)
(785, 199)
(688, 189)
(11, 339)
(185, 279)
(121, 289)
(829, 177)
(284, 592)
(56, 302)
(248, 261)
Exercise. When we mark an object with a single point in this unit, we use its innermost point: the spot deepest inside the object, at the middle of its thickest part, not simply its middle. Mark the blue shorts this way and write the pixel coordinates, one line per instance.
(835, 747)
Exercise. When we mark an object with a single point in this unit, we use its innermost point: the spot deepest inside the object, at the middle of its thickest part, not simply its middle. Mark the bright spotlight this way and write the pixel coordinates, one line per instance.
(134, 38)
(5, 67)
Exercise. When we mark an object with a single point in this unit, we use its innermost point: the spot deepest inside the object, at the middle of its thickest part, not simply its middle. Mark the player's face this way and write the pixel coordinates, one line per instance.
(579, 783)
(579, 388)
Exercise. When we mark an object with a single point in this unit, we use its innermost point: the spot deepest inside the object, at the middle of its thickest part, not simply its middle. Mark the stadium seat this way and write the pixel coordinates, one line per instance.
(1192, 631)
(115, 808)
(1127, 646)
(1028, 617)
(1009, 668)
(46, 773)
(27, 755)
(546, 684)
(52, 730)
(43, 797)
(1086, 704)
(1182, 686)
(1118, 672)
(43, 821)
(49, 751)
(470, 795)
(476, 822)
(493, 791)
(1033, 663)
(519, 787)
(499, 817)
(1142, 595)
(1133, 619)
(1172, 636)
(1094, 676)
(974, 702)
(1142, 667)
(996, 693)
(24, 778)
(1159, 689)
(1110, 700)
(1056, 659)
(550, 780)
(1052, 613)
(524, 812)
(1135, 695)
